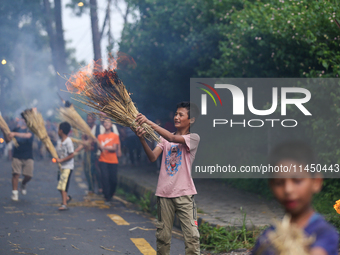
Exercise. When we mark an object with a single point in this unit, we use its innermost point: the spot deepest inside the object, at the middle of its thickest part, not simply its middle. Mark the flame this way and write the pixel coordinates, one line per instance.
(54, 160)
(337, 206)
(77, 82)
(1, 140)
(125, 61)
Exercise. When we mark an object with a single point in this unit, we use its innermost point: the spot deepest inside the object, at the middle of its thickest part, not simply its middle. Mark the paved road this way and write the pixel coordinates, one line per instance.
(35, 226)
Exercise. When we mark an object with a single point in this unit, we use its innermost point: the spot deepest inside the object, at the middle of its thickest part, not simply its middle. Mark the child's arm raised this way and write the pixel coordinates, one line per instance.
(152, 154)
(140, 119)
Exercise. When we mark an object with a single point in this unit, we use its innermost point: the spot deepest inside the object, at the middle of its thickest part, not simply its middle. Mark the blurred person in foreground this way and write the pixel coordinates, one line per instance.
(22, 160)
(65, 150)
(294, 191)
(108, 160)
(175, 189)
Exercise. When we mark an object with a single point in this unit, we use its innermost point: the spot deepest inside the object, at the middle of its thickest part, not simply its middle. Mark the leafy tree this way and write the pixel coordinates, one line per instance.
(28, 77)
(170, 42)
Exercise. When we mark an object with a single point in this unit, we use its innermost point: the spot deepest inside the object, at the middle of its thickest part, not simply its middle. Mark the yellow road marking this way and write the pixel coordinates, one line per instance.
(78, 179)
(143, 246)
(118, 220)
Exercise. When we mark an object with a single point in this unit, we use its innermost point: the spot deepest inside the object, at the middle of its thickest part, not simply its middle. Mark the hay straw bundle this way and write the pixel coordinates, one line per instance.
(36, 124)
(105, 92)
(85, 143)
(69, 114)
(5, 129)
(288, 239)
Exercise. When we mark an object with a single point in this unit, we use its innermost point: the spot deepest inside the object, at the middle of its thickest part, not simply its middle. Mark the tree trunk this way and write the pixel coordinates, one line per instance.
(50, 32)
(95, 31)
(60, 42)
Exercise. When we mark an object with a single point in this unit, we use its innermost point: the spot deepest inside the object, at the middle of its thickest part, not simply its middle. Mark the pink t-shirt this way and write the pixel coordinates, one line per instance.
(175, 175)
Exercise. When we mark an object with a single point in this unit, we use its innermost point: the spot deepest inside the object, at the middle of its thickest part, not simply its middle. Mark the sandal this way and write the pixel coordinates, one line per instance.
(63, 208)
(68, 200)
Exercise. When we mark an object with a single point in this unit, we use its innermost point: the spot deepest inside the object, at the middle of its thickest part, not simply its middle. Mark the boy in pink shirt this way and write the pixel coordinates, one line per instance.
(175, 189)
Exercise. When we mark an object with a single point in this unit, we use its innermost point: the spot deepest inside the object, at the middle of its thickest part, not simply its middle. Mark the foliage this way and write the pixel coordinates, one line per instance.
(170, 42)
(288, 39)
(175, 40)
(278, 39)
(225, 239)
(144, 202)
(324, 201)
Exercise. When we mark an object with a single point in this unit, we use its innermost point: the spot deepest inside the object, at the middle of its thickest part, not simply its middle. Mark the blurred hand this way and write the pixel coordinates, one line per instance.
(140, 132)
(141, 119)
(11, 135)
(58, 160)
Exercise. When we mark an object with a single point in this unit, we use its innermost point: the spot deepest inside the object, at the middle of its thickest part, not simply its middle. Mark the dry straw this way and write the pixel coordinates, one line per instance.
(287, 239)
(5, 129)
(69, 114)
(106, 93)
(36, 124)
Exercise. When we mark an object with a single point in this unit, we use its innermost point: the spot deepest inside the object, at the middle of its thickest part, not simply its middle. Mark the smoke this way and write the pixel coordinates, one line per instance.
(33, 83)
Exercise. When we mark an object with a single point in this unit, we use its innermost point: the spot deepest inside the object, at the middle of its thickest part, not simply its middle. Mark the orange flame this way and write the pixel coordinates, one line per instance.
(337, 206)
(125, 61)
(54, 160)
(1, 140)
(77, 82)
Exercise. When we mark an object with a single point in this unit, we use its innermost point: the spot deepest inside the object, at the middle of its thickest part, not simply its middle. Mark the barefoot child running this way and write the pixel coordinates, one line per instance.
(295, 192)
(65, 150)
(175, 189)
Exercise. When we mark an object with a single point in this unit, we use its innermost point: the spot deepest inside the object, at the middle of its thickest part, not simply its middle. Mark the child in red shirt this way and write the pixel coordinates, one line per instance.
(108, 160)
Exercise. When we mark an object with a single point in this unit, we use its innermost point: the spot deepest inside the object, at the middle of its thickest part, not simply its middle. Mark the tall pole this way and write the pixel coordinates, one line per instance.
(95, 32)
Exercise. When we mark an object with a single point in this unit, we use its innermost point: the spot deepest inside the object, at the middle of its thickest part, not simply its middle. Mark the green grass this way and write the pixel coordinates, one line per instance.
(127, 196)
(144, 202)
(226, 239)
(200, 210)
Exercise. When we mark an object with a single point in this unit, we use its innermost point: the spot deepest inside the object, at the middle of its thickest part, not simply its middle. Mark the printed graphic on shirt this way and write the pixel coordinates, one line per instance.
(107, 140)
(173, 160)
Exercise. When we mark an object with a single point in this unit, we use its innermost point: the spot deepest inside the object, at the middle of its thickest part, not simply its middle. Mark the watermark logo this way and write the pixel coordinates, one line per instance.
(280, 97)
(204, 97)
(238, 99)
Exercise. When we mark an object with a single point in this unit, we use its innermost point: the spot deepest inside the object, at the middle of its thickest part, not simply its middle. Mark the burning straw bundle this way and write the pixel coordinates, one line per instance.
(105, 92)
(35, 123)
(4, 127)
(69, 114)
(288, 239)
